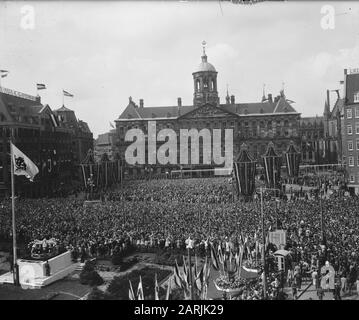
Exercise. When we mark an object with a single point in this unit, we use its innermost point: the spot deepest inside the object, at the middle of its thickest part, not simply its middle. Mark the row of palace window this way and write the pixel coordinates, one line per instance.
(352, 178)
(351, 145)
(213, 125)
(350, 128)
(350, 110)
(351, 161)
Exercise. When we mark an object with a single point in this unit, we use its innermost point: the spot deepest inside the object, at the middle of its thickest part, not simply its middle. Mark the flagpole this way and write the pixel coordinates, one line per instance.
(15, 268)
(190, 273)
(263, 250)
(63, 97)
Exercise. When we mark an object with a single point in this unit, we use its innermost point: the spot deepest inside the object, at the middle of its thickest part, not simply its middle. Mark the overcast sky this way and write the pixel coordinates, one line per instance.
(104, 52)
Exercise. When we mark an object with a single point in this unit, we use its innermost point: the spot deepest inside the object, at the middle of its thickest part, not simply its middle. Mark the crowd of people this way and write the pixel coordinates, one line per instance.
(164, 213)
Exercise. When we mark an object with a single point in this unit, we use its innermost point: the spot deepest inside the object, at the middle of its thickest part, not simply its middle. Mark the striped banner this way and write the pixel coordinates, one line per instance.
(272, 166)
(244, 173)
(292, 159)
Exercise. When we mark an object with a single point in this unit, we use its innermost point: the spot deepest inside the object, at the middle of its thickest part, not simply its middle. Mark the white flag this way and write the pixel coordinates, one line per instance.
(23, 166)
(140, 295)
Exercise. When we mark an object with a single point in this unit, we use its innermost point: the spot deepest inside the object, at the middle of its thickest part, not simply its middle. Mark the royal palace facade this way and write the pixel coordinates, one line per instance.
(255, 124)
(55, 140)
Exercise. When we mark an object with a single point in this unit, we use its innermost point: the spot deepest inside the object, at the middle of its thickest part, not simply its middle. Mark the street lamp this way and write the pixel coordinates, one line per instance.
(263, 240)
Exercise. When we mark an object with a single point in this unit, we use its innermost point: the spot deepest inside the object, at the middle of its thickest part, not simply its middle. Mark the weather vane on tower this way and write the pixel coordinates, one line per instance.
(204, 47)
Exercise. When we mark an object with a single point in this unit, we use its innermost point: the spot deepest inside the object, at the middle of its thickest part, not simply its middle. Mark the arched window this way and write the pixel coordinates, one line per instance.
(213, 85)
(198, 83)
(205, 84)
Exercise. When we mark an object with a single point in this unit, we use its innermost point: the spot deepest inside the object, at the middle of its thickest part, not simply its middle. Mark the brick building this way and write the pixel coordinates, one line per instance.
(81, 135)
(45, 137)
(350, 129)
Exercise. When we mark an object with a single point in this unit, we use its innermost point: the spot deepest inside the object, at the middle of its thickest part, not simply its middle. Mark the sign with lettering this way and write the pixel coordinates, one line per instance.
(17, 94)
(354, 71)
(278, 238)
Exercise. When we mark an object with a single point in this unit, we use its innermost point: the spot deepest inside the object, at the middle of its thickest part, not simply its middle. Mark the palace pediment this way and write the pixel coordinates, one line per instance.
(207, 111)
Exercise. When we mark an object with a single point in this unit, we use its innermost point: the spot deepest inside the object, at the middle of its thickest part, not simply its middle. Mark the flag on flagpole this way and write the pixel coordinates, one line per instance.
(131, 294)
(54, 120)
(199, 279)
(40, 86)
(214, 258)
(4, 73)
(168, 289)
(140, 291)
(195, 266)
(236, 259)
(23, 166)
(67, 94)
(177, 276)
(186, 272)
(156, 288)
(220, 255)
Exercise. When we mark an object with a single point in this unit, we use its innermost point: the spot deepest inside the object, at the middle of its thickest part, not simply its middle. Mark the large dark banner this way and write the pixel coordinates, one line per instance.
(292, 160)
(271, 164)
(244, 172)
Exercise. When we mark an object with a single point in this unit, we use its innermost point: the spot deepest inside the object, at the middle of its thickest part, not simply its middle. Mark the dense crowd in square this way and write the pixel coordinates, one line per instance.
(150, 214)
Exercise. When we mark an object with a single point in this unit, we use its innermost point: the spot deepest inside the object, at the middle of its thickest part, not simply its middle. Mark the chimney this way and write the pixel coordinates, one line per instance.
(276, 99)
(232, 99)
(270, 98)
(38, 99)
(179, 102)
(227, 99)
(328, 98)
(141, 103)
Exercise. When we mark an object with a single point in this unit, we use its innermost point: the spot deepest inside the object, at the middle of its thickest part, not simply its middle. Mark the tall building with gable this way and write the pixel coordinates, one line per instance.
(350, 130)
(322, 135)
(47, 137)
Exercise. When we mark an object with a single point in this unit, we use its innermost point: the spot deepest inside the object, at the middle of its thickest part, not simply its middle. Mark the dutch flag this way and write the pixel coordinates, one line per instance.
(4, 73)
(67, 94)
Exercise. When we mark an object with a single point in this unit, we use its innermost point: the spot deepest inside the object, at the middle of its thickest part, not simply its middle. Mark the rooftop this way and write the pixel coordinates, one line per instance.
(281, 105)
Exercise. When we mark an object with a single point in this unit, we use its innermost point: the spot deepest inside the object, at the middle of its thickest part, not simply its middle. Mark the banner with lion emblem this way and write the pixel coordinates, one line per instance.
(23, 166)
